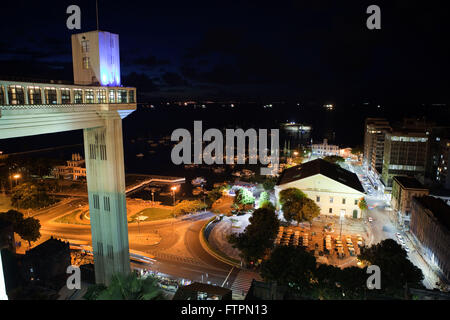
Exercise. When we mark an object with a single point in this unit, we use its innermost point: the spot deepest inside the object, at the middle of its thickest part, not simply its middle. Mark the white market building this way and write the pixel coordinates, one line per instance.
(335, 190)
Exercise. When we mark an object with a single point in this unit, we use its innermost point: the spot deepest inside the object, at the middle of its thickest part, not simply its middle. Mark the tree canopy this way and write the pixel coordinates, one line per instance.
(264, 199)
(396, 268)
(290, 266)
(362, 204)
(269, 184)
(244, 197)
(188, 206)
(258, 236)
(297, 206)
(29, 196)
(28, 229)
(126, 287)
(297, 269)
(334, 159)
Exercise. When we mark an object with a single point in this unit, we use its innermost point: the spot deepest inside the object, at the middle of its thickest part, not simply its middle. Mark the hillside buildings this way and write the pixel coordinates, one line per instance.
(74, 170)
(325, 149)
(335, 190)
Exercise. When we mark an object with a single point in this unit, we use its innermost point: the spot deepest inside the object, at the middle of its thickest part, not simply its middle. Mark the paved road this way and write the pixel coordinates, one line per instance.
(383, 228)
(179, 254)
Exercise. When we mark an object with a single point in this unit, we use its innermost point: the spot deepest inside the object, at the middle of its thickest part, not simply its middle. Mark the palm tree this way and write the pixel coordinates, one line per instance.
(126, 287)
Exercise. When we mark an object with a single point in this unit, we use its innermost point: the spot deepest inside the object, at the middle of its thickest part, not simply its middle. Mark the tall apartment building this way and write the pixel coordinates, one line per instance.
(406, 150)
(438, 174)
(375, 132)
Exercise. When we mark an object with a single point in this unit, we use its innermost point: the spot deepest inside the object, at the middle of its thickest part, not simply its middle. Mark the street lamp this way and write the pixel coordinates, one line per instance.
(16, 177)
(174, 189)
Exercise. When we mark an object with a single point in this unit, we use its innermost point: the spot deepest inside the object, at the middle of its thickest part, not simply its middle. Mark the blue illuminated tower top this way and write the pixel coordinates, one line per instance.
(96, 58)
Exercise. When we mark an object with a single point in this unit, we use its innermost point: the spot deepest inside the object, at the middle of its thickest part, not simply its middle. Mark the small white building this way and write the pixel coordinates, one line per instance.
(74, 170)
(335, 190)
(325, 149)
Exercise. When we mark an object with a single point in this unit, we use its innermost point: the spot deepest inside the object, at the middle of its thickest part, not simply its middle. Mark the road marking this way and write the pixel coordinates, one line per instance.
(225, 281)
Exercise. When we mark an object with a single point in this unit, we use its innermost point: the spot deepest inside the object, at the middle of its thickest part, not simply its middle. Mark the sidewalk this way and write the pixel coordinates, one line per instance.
(422, 255)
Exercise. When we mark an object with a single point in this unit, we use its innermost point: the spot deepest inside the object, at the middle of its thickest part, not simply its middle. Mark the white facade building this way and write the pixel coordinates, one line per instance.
(74, 170)
(325, 149)
(335, 190)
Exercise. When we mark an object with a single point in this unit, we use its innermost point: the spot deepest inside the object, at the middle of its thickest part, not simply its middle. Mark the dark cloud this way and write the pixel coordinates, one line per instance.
(151, 61)
(221, 40)
(173, 79)
(32, 69)
(142, 82)
(317, 48)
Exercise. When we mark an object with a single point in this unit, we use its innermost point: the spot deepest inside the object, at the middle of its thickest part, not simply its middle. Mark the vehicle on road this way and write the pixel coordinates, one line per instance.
(370, 219)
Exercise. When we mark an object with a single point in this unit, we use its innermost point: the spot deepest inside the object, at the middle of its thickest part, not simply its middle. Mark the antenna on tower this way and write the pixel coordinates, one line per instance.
(96, 9)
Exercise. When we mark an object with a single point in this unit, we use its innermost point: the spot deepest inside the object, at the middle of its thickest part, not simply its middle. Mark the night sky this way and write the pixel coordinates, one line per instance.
(245, 49)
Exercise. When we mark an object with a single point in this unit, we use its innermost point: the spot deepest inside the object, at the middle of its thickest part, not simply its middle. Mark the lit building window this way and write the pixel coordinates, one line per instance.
(112, 96)
(65, 96)
(16, 95)
(131, 96)
(78, 96)
(101, 96)
(34, 95)
(2, 96)
(51, 96)
(85, 46)
(89, 96)
(121, 96)
(86, 63)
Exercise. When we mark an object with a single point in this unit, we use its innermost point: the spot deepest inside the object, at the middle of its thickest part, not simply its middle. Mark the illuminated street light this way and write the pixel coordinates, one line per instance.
(174, 189)
(15, 177)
